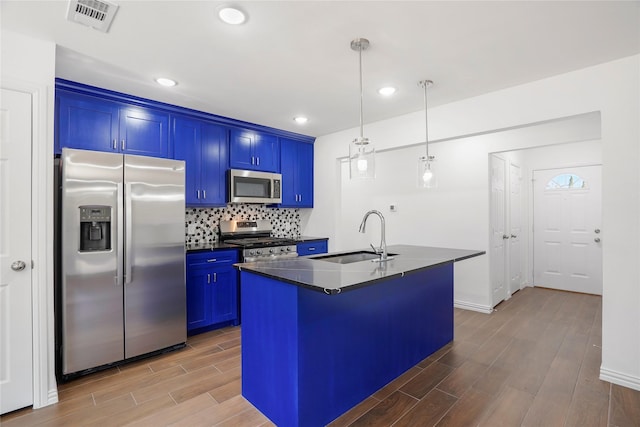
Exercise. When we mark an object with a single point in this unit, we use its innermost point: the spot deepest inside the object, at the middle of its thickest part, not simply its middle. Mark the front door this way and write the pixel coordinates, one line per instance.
(16, 366)
(567, 229)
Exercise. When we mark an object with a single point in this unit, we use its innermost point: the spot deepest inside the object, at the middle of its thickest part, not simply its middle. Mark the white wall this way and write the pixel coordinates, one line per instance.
(28, 65)
(457, 212)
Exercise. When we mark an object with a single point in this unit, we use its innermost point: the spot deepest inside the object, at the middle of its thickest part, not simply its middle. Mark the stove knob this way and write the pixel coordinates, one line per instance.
(272, 251)
(258, 252)
(288, 248)
(252, 252)
(283, 249)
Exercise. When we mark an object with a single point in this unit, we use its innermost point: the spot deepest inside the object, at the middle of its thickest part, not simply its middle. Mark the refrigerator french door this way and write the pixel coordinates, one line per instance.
(122, 257)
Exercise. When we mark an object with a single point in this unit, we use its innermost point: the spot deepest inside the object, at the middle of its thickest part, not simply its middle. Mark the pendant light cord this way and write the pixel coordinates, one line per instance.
(361, 124)
(425, 84)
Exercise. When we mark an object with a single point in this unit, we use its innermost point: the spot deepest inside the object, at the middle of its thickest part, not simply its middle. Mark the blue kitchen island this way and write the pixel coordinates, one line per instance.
(318, 336)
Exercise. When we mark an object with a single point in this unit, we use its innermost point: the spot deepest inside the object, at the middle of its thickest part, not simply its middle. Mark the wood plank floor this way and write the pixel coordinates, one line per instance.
(533, 362)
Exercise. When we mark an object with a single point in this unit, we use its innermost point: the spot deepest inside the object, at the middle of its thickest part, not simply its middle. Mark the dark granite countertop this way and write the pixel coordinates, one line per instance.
(209, 246)
(333, 278)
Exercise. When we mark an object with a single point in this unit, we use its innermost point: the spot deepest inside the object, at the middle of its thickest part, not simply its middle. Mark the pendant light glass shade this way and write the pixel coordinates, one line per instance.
(426, 173)
(362, 159)
(362, 162)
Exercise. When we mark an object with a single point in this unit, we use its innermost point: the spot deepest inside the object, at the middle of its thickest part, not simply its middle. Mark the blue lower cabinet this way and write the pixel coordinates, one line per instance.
(212, 290)
(312, 248)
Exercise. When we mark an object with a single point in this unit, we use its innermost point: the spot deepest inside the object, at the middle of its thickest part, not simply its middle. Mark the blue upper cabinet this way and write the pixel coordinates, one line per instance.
(86, 122)
(94, 123)
(203, 147)
(297, 173)
(144, 132)
(254, 150)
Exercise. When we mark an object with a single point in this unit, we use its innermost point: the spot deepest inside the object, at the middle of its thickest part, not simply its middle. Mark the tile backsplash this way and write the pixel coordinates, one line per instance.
(201, 224)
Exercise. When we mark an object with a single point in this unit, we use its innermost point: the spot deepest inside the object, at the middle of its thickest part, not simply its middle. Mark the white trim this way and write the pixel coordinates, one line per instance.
(472, 306)
(619, 378)
(45, 387)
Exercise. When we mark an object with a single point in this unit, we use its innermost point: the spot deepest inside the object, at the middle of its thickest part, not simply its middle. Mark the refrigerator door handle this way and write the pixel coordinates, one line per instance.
(119, 235)
(127, 235)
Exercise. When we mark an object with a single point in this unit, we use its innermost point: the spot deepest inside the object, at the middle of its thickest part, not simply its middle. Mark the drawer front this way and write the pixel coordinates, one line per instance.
(220, 258)
(312, 248)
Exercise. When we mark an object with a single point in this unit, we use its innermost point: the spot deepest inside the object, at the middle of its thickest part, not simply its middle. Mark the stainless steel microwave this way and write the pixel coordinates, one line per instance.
(244, 186)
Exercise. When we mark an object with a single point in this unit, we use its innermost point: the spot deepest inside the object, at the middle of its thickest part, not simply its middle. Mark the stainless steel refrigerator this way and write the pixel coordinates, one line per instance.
(122, 257)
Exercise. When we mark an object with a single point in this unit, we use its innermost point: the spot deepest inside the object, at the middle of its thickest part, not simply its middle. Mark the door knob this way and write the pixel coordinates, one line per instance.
(513, 236)
(505, 237)
(597, 240)
(597, 231)
(18, 265)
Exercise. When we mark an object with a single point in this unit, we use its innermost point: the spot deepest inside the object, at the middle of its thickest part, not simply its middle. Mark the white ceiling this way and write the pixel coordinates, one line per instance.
(294, 57)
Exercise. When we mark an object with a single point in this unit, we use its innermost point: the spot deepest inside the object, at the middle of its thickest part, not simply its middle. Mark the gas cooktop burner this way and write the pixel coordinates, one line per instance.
(255, 239)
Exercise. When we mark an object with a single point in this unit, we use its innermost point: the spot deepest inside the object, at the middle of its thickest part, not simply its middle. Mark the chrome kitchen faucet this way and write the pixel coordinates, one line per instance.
(382, 251)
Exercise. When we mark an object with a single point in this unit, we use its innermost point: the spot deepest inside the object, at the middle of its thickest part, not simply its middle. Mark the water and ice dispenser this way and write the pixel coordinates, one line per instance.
(95, 228)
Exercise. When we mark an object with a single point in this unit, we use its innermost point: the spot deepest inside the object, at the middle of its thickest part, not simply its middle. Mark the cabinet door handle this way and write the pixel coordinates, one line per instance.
(115, 144)
(258, 161)
(252, 160)
(122, 146)
(215, 277)
(208, 278)
(198, 193)
(311, 249)
(204, 194)
(212, 260)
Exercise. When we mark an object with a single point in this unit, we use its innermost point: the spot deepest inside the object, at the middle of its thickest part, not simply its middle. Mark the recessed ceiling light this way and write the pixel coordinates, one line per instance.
(300, 120)
(166, 82)
(232, 15)
(387, 91)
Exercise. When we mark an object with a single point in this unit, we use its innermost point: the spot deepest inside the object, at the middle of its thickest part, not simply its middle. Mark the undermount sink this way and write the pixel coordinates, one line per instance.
(348, 258)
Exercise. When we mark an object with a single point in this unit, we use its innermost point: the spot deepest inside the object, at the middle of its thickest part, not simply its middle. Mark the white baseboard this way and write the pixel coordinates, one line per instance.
(53, 396)
(620, 379)
(472, 306)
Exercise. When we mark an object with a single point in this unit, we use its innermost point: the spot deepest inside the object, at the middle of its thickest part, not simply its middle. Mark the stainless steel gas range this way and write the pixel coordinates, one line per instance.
(255, 239)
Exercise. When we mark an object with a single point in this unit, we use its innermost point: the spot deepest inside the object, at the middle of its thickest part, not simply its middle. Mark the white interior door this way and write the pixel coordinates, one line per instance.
(498, 229)
(567, 229)
(16, 367)
(515, 228)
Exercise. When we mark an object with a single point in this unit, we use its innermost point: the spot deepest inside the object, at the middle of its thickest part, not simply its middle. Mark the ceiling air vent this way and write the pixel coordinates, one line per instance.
(96, 14)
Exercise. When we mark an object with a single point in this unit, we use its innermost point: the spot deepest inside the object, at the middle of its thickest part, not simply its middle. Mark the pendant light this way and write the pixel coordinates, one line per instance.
(426, 175)
(361, 150)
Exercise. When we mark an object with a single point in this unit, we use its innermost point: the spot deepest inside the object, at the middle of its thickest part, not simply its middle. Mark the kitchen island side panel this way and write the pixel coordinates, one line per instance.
(348, 345)
(269, 338)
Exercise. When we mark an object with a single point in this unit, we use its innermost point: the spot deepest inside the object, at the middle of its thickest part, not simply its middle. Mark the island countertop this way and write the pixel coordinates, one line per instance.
(333, 278)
